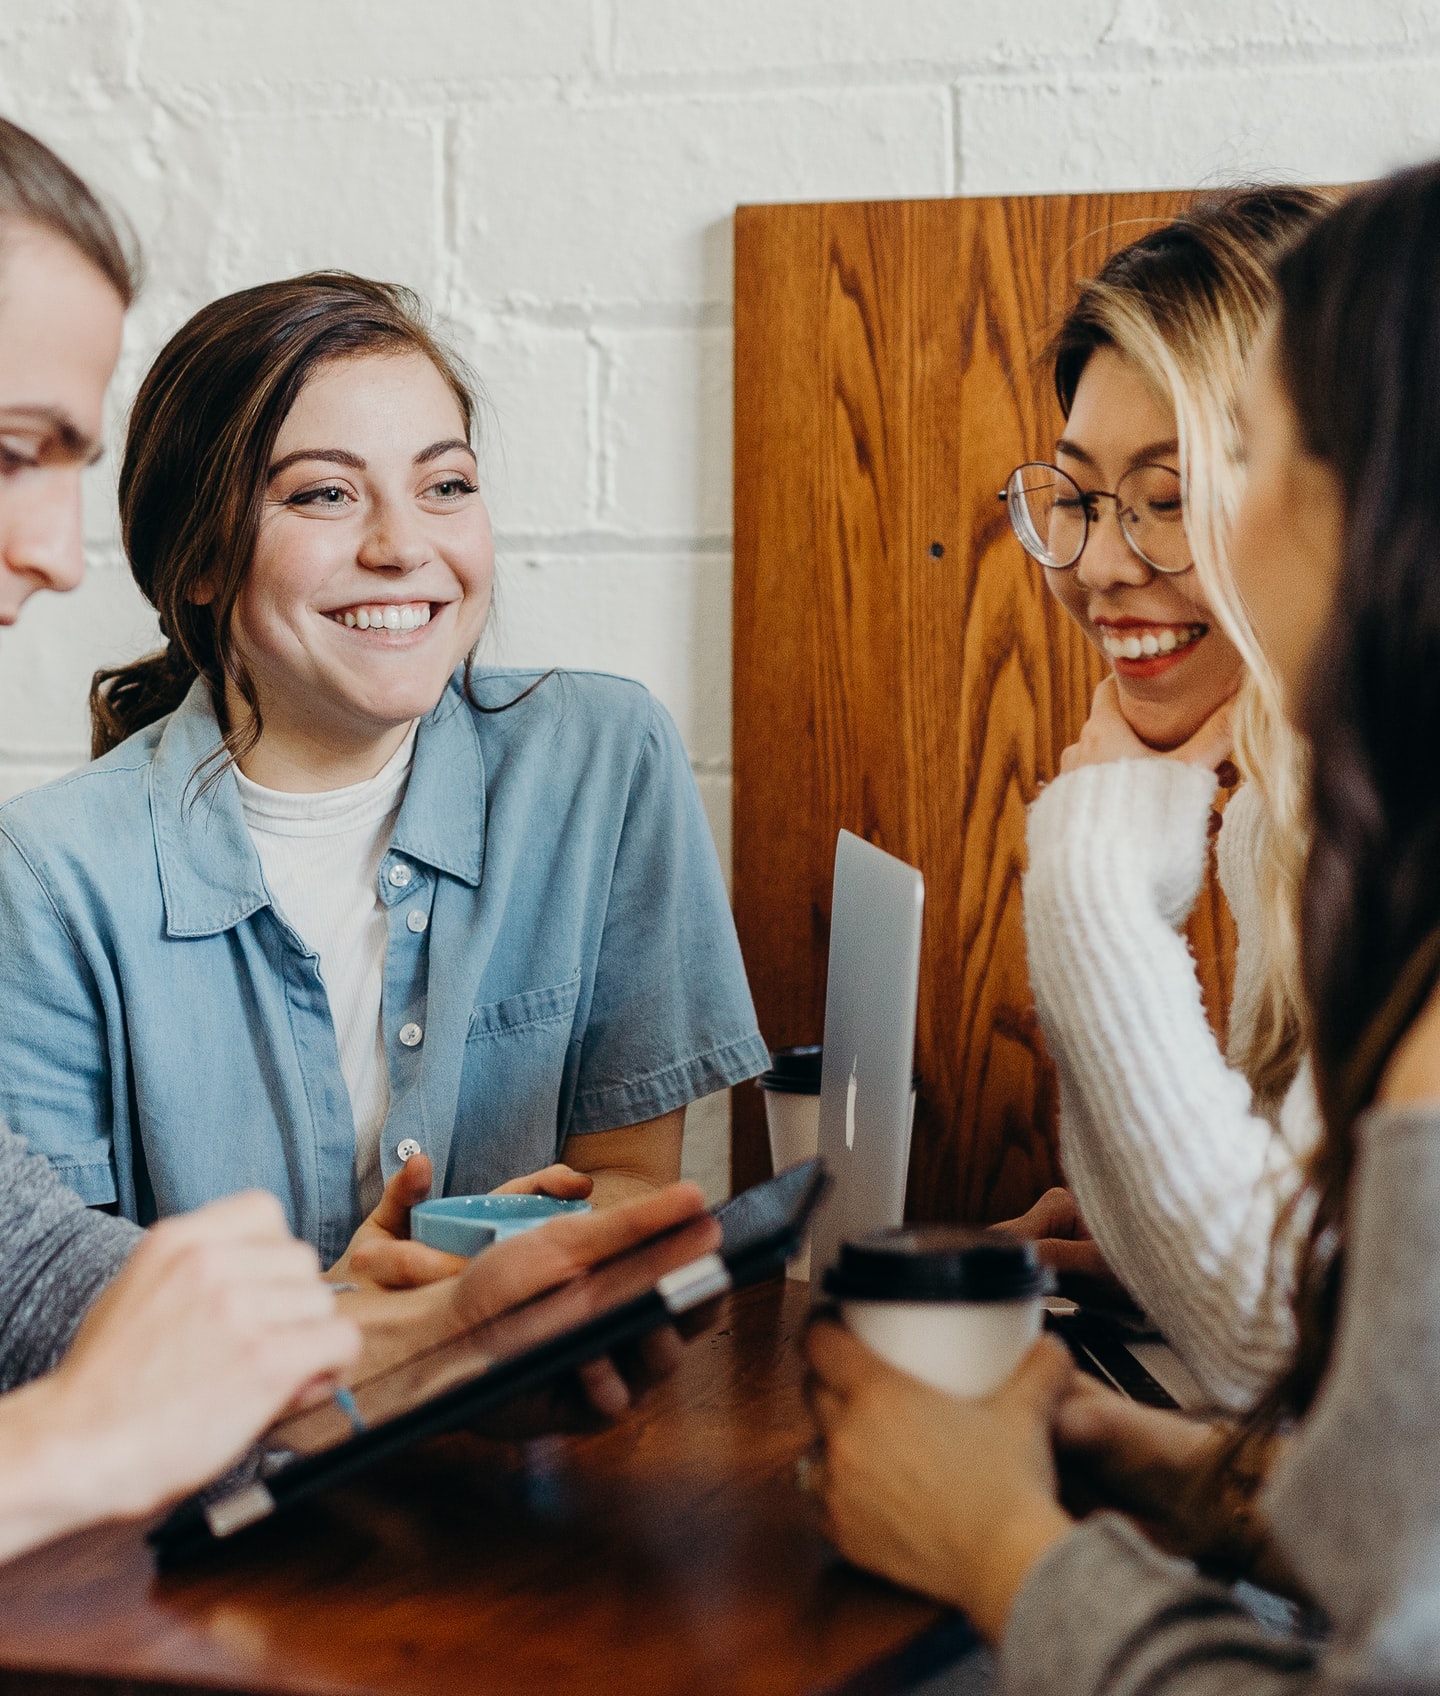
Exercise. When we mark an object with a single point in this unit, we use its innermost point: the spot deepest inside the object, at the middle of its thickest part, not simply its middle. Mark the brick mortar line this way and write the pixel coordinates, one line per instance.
(420, 94)
(445, 99)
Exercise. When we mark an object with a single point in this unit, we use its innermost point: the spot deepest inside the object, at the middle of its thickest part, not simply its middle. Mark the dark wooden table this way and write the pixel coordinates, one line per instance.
(671, 1554)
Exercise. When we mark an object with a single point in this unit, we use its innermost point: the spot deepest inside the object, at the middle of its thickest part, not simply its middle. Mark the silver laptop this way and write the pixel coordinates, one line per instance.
(865, 1078)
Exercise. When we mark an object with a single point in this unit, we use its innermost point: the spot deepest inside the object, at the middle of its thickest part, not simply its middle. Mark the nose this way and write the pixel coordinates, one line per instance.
(395, 539)
(40, 534)
(1109, 562)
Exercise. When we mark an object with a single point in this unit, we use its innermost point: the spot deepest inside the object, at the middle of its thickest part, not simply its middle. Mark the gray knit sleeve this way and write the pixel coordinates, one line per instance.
(1354, 1505)
(55, 1258)
(1105, 1611)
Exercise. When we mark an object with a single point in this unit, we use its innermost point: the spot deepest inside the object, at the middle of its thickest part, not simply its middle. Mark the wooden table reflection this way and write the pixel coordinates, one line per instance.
(671, 1554)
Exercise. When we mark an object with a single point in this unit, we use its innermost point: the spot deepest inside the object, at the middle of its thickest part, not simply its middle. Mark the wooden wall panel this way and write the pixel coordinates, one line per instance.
(900, 668)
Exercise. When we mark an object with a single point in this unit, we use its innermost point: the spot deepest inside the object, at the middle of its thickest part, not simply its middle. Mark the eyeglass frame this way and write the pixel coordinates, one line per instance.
(1087, 496)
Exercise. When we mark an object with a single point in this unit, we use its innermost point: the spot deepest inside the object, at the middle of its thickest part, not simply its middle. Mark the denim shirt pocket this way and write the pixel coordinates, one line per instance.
(511, 1087)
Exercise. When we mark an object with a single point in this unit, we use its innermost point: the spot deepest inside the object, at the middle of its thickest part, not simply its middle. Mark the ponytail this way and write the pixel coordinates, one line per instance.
(126, 698)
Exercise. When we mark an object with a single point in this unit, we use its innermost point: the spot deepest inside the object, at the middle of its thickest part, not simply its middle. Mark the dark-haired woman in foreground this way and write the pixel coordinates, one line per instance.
(334, 901)
(1337, 552)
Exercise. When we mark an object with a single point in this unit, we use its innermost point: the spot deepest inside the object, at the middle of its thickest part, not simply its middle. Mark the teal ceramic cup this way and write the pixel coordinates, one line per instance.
(464, 1224)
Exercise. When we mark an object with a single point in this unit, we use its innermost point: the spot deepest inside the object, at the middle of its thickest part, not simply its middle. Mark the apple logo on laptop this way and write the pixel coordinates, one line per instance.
(852, 1089)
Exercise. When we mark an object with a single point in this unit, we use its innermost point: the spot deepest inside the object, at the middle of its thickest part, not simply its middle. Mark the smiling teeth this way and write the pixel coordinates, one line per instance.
(1164, 639)
(409, 617)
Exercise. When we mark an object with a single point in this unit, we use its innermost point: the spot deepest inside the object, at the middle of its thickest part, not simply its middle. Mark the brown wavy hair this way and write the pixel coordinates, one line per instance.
(192, 483)
(38, 188)
(1357, 348)
(1358, 352)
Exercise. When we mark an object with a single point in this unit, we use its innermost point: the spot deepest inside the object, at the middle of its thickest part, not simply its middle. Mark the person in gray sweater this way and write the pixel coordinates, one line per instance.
(136, 1365)
(1330, 1488)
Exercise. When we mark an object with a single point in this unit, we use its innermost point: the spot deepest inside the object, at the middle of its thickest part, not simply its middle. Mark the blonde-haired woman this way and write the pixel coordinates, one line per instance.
(1184, 1161)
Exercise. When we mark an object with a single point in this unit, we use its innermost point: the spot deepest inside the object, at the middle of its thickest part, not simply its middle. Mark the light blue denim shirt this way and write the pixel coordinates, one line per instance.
(165, 1036)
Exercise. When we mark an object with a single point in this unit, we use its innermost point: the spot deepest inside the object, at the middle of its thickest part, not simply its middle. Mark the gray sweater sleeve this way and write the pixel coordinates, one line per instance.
(55, 1258)
(1354, 1507)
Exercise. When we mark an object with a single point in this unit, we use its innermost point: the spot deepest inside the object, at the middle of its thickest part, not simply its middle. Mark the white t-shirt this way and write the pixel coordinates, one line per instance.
(321, 857)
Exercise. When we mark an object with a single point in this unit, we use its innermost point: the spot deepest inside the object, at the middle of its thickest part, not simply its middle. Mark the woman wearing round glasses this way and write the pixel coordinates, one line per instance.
(1182, 1161)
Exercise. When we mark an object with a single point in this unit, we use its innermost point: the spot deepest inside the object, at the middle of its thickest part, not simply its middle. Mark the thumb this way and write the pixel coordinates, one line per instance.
(410, 1185)
(1106, 698)
(1042, 1380)
(1213, 741)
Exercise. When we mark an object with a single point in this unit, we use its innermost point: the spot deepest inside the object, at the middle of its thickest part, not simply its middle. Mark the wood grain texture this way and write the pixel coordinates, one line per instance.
(900, 668)
(670, 1555)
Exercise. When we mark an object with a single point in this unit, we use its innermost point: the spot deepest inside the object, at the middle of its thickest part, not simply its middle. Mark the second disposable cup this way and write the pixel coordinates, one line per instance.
(792, 1117)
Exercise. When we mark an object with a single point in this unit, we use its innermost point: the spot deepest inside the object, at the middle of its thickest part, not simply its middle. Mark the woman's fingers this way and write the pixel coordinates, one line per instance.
(1213, 742)
(538, 1260)
(605, 1389)
(295, 1356)
(592, 1237)
(402, 1265)
(1087, 1417)
(249, 1215)
(839, 1361)
(1076, 1254)
(562, 1182)
(1107, 734)
(1042, 1379)
(1054, 1215)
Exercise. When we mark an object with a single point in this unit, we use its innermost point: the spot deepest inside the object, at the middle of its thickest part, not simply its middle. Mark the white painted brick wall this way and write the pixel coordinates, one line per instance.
(558, 176)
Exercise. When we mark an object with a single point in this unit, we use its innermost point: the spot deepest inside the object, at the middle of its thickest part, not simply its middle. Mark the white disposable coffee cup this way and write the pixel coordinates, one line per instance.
(792, 1117)
(956, 1308)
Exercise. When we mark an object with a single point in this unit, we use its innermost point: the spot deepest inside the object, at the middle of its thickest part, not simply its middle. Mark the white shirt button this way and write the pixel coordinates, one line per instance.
(405, 1149)
(400, 875)
(410, 1035)
(416, 919)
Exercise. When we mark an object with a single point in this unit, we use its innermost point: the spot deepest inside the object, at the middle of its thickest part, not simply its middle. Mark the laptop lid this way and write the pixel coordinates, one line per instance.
(865, 1079)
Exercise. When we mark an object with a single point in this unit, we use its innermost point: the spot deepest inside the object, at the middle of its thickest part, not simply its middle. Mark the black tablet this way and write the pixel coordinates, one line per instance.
(471, 1375)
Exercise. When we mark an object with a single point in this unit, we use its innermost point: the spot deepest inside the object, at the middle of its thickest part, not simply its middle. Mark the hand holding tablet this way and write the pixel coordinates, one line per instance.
(515, 1328)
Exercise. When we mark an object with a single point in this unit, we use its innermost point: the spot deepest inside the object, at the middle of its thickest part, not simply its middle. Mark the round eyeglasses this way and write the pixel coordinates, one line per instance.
(1051, 514)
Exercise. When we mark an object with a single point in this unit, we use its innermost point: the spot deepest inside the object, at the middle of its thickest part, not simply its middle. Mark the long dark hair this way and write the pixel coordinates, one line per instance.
(1358, 353)
(192, 483)
(38, 188)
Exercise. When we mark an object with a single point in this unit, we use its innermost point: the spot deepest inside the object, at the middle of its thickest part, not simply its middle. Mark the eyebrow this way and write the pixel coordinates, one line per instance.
(78, 443)
(343, 456)
(1146, 455)
(331, 456)
(437, 448)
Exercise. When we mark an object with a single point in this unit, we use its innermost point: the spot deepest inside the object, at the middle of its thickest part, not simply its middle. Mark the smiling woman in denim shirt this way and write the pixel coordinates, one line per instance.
(334, 902)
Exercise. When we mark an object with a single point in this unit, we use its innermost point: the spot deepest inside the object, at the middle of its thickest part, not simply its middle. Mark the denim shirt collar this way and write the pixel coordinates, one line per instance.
(210, 874)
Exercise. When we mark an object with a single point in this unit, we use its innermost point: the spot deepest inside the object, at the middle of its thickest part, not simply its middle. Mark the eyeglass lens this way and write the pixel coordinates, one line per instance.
(1051, 515)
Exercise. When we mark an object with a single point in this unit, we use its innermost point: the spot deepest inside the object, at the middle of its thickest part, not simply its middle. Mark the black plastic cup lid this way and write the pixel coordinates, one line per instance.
(794, 1071)
(938, 1263)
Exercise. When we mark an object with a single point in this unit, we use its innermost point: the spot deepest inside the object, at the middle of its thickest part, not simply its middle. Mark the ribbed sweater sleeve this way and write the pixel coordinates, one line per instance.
(1180, 1181)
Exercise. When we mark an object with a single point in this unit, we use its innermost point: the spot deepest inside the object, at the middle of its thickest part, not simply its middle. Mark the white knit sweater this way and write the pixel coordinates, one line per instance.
(1180, 1178)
